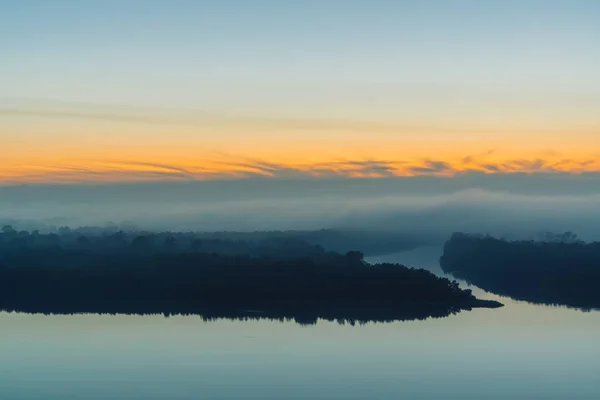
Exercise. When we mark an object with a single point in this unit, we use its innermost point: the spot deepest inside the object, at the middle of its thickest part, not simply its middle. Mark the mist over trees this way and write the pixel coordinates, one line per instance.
(558, 269)
(119, 237)
(421, 210)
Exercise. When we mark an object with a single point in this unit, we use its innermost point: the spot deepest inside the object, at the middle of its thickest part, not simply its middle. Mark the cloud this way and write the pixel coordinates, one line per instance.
(491, 168)
(165, 169)
(203, 118)
(99, 172)
(477, 158)
(192, 117)
(432, 167)
(115, 170)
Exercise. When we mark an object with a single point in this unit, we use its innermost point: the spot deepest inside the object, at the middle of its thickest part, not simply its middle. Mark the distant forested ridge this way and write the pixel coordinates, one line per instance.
(146, 274)
(558, 269)
(225, 242)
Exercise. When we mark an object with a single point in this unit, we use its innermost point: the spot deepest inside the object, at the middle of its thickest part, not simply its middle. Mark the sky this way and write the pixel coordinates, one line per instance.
(96, 91)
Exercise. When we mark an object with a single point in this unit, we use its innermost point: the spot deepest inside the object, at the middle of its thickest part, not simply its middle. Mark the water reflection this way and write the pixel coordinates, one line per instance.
(524, 354)
(348, 314)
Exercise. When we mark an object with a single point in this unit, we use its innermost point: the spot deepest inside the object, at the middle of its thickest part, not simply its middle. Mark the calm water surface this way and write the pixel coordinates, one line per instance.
(520, 351)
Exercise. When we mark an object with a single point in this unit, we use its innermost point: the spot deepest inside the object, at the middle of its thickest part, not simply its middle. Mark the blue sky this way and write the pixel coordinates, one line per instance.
(99, 49)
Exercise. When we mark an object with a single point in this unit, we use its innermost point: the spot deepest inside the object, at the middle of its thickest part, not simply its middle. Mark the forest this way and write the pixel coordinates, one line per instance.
(67, 272)
(224, 242)
(555, 270)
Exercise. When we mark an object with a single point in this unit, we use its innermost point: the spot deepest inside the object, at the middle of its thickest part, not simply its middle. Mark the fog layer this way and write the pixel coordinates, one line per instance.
(514, 205)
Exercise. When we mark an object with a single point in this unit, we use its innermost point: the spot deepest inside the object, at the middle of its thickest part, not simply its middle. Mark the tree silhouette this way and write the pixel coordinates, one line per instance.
(154, 273)
(560, 270)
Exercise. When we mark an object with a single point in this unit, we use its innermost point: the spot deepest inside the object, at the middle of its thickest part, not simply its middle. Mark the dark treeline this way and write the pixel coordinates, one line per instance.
(50, 274)
(556, 270)
(259, 243)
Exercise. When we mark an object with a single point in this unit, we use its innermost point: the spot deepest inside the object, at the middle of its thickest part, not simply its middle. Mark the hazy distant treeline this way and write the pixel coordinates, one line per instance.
(71, 273)
(228, 243)
(107, 240)
(557, 269)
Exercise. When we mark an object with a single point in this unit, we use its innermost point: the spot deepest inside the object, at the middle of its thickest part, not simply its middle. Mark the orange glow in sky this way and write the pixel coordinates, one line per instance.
(70, 143)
